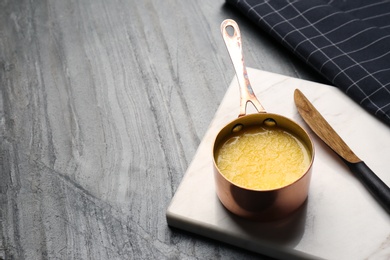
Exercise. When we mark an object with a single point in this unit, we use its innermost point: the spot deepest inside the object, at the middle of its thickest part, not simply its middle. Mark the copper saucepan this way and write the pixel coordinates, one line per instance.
(251, 203)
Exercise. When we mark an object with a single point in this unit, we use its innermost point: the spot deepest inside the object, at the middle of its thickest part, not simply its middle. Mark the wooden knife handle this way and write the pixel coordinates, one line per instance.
(373, 183)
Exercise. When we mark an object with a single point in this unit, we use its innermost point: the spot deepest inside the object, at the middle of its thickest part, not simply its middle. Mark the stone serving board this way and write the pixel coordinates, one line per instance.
(339, 220)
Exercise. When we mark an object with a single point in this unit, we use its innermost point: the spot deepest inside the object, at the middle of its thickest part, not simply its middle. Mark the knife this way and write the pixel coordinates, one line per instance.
(379, 190)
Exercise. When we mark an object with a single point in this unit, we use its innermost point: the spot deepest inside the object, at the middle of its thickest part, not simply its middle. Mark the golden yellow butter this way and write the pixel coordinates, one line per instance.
(263, 158)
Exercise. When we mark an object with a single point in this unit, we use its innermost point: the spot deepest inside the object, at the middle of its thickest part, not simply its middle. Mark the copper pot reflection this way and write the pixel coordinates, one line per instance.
(248, 203)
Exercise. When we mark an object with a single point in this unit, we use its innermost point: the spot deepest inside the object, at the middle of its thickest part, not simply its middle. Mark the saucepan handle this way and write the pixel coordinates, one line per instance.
(232, 37)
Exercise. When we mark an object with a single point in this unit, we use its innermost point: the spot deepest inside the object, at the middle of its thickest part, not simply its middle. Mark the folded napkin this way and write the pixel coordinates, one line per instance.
(348, 42)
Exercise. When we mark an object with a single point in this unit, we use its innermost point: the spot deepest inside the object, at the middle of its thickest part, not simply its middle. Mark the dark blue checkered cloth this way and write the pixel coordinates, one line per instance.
(347, 41)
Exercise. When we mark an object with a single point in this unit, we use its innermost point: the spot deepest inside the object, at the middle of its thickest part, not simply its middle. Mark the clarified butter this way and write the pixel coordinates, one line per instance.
(262, 158)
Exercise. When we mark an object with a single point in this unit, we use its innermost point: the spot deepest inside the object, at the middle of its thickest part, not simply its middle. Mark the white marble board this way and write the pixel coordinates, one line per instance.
(340, 219)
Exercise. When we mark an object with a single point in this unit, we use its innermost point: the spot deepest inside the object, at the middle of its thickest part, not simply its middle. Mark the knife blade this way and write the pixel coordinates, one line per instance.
(379, 190)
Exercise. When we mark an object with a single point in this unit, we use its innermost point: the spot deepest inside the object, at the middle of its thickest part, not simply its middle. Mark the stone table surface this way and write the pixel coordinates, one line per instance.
(102, 107)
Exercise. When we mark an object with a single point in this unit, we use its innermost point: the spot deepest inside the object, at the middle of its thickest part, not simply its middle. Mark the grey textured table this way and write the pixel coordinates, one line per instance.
(102, 107)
